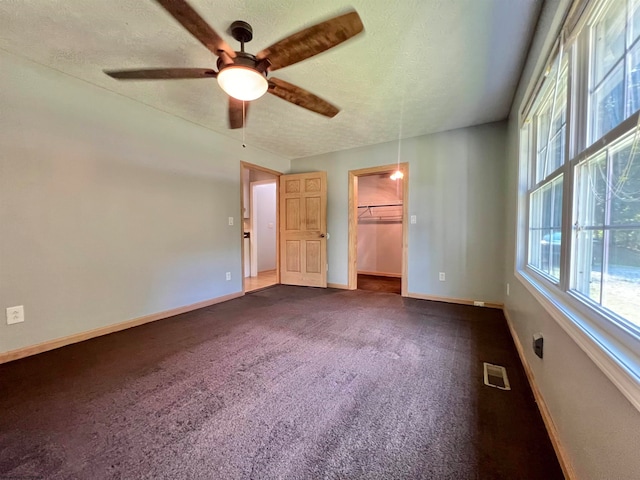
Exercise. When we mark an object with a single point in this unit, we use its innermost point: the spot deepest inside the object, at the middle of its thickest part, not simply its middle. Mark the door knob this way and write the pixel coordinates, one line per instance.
(322, 235)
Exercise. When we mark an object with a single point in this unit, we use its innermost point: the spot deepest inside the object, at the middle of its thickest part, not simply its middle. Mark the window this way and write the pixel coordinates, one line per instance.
(547, 126)
(580, 152)
(606, 267)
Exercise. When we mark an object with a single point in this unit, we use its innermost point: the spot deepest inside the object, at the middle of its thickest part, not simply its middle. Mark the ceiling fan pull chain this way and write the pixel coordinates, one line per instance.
(244, 125)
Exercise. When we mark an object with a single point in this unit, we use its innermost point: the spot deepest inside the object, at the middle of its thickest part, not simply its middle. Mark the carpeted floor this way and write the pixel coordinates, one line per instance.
(375, 283)
(284, 383)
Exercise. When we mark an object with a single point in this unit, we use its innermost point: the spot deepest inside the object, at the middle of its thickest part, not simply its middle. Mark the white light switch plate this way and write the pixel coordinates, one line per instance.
(230, 220)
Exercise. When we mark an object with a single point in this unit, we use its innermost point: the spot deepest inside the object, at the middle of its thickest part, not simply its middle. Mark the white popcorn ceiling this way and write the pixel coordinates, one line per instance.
(437, 64)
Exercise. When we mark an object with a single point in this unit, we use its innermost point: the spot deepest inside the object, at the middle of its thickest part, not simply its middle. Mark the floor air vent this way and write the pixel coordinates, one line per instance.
(496, 376)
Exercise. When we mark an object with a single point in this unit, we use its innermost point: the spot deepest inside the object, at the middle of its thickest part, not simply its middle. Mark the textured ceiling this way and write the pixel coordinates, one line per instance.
(421, 66)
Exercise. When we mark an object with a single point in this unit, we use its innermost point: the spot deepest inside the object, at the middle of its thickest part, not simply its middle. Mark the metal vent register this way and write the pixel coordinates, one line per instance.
(496, 376)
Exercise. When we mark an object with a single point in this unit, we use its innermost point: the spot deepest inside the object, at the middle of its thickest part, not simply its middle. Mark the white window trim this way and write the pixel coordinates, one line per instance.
(613, 346)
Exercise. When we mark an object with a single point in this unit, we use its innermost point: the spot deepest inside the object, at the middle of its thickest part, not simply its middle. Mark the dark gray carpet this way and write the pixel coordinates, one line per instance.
(285, 383)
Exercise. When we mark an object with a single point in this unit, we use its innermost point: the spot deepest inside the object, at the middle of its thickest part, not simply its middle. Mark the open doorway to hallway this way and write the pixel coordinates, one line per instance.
(260, 227)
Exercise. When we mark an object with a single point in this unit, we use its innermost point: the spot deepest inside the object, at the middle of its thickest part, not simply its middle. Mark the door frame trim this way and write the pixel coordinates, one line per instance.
(276, 174)
(353, 220)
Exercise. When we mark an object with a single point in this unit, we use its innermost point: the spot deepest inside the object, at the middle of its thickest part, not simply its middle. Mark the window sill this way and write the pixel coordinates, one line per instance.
(613, 348)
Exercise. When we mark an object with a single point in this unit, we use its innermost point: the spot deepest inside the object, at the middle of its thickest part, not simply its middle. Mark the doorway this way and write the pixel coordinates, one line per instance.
(260, 227)
(378, 229)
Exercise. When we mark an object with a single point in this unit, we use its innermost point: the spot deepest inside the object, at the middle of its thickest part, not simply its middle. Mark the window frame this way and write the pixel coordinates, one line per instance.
(612, 342)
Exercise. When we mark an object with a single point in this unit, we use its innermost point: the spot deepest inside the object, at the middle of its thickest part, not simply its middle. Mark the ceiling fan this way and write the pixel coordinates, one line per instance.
(245, 77)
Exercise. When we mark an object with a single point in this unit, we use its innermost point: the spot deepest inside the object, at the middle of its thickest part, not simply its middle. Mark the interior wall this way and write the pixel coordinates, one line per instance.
(456, 192)
(597, 426)
(111, 210)
(265, 233)
(379, 247)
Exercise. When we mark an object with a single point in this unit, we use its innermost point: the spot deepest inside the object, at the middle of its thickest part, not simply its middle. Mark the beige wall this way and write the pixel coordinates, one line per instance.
(456, 191)
(110, 210)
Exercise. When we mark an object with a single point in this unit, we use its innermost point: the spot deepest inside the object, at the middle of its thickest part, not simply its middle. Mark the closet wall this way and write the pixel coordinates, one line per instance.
(379, 225)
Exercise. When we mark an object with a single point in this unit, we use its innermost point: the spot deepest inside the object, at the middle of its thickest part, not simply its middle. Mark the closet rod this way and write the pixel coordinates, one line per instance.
(376, 206)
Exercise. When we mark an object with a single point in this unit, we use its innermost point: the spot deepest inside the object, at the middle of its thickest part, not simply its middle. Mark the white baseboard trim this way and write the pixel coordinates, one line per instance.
(460, 301)
(116, 327)
(563, 457)
(380, 274)
(341, 286)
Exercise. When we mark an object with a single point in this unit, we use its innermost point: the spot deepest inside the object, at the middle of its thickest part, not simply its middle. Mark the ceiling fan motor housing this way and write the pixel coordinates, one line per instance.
(243, 59)
(241, 31)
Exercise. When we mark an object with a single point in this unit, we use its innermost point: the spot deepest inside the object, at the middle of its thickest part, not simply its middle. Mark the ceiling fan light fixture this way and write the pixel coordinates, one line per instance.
(242, 82)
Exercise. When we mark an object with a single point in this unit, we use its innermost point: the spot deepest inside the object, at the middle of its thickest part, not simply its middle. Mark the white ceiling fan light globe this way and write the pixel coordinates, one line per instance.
(242, 83)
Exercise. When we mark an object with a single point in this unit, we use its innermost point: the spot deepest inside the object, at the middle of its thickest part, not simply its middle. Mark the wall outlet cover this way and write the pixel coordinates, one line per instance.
(15, 314)
(538, 344)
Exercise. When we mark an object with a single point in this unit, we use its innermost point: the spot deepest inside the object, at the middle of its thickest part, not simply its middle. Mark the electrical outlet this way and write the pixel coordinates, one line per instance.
(230, 221)
(414, 219)
(538, 344)
(442, 276)
(477, 303)
(228, 276)
(15, 314)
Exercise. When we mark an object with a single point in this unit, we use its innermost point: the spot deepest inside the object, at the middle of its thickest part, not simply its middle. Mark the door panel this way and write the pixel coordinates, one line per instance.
(303, 204)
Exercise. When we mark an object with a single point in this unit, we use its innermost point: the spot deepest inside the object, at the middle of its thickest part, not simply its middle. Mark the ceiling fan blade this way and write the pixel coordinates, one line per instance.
(192, 21)
(301, 97)
(313, 40)
(236, 113)
(161, 73)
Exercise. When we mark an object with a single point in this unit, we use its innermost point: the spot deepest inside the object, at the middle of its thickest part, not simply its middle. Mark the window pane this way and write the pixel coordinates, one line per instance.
(622, 278)
(556, 218)
(550, 153)
(556, 152)
(554, 240)
(633, 81)
(591, 188)
(590, 198)
(535, 248)
(608, 40)
(545, 218)
(634, 20)
(543, 121)
(607, 104)
(588, 263)
(625, 185)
